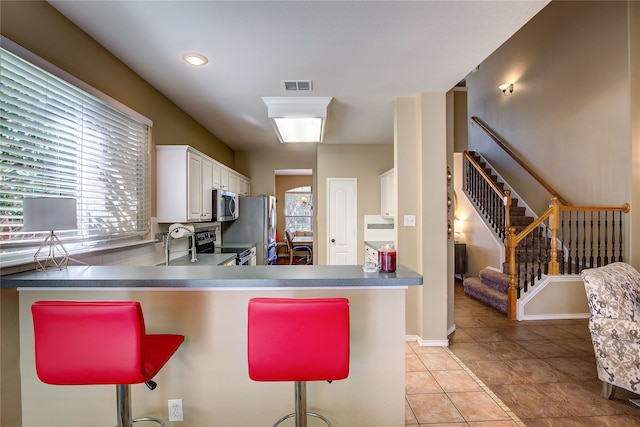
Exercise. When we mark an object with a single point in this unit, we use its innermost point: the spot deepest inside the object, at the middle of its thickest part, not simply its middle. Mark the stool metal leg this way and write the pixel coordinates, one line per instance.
(301, 412)
(123, 402)
(300, 409)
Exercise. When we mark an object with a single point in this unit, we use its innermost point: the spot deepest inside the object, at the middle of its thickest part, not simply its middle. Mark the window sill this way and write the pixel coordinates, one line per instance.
(22, 262)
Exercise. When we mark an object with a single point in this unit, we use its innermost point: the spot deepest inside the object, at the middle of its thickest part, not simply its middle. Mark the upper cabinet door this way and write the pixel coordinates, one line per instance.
(207, 187)
(387, 194)
(194, 187)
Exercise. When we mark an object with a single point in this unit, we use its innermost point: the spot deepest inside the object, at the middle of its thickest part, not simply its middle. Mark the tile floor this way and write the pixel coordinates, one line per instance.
(503, 373)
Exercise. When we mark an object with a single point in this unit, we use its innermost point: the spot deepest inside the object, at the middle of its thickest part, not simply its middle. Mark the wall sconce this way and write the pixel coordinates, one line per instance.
(506, 88)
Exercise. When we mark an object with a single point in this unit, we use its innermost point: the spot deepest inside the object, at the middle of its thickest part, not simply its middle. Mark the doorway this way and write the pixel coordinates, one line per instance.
(342, 219)
(287, 180)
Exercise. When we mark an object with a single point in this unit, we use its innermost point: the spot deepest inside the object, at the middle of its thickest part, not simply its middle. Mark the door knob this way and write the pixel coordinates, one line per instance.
(333, 240)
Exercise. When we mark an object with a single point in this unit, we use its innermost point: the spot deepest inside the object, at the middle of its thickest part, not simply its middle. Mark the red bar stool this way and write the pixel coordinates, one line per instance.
(99, 342)
(298, 339)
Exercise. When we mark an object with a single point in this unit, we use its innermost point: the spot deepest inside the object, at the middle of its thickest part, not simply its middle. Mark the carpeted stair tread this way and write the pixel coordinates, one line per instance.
(474, 287)
(495, 279)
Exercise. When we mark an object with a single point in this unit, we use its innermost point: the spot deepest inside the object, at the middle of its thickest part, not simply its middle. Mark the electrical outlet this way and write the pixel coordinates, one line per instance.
(175, 410)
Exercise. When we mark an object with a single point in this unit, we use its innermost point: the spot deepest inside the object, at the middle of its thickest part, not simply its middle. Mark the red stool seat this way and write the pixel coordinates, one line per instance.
(98, 342)
(298, 339)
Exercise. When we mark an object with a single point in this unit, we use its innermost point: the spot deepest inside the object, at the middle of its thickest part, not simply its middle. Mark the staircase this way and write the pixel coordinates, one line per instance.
(562, 240)
(491, 285)
(490, 288)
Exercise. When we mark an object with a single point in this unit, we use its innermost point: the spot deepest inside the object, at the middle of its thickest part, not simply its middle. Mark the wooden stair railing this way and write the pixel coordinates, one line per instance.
(482, 125)
(565, 230)
(594, 235)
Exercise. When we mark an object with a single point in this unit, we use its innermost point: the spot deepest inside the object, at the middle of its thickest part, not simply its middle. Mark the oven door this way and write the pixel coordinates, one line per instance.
(247, 257)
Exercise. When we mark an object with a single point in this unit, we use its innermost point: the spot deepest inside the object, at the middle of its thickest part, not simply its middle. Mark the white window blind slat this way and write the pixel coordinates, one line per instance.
(57, 139)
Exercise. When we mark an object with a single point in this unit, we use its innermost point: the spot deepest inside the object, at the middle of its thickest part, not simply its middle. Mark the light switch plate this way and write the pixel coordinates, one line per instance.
(409, 220)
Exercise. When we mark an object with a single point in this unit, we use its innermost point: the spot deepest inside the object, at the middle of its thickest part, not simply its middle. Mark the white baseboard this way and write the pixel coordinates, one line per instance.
(427, 343)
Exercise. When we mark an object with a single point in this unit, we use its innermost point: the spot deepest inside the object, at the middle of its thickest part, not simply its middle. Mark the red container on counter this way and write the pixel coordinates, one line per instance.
(387, 258)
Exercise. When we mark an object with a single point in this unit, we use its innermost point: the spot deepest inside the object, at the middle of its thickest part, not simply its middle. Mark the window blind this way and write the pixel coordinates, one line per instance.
(298, 209)
(59, 140)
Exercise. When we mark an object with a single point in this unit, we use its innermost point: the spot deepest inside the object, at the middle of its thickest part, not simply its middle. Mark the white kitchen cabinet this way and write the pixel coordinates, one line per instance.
(387, 194)
(217, 176)
(207, 187)
(180, 193)
(185, 178)
(233, 182)
(224, 179)
(243, 187)
(194, 186)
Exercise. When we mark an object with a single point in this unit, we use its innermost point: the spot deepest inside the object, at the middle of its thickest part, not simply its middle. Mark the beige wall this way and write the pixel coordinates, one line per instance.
(423, 151)
(363, 162)
(38, 27)
(574, 117)
(569, 115)
(634, 102)
(561, 298)
(260, 166)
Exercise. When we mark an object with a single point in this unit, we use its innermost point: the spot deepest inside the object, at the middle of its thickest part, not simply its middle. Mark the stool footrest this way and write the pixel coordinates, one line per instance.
(311, 414)
(151, 419)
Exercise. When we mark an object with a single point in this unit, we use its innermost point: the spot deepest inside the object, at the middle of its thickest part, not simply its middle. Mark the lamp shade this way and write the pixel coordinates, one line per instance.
(49, 214)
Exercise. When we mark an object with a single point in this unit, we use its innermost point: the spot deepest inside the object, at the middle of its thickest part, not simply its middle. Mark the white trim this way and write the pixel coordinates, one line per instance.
(36, 60)
(427, 343)
(537, 288)
(451, 330)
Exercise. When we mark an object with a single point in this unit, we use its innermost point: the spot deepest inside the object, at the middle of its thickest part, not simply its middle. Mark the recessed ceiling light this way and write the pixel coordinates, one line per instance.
(195, 59)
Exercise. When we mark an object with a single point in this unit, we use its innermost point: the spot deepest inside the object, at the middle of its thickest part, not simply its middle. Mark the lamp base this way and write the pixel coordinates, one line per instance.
(56, 254)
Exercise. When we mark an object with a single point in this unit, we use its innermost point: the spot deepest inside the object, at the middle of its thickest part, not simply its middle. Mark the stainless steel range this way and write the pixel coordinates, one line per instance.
(206, 244)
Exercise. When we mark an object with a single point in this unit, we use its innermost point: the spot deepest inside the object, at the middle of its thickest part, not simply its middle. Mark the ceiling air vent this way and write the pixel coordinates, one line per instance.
(296, 85)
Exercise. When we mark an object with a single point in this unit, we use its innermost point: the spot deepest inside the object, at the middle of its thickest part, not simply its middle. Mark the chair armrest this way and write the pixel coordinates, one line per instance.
(625, 330)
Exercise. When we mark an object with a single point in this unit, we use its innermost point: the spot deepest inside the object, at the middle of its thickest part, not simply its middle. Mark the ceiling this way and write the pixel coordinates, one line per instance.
(364, 54)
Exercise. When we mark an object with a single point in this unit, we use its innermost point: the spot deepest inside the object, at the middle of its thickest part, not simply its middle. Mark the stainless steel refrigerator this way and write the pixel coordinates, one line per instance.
(256, 224)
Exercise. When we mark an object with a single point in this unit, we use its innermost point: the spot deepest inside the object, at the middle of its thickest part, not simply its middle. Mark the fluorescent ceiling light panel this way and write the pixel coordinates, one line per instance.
(298, 119)
(299, 129)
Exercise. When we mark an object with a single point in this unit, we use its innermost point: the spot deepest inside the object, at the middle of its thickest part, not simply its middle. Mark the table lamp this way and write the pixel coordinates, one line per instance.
(50, 214)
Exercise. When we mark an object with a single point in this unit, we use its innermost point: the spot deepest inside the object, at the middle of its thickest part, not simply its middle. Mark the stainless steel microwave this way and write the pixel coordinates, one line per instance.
(225, 205)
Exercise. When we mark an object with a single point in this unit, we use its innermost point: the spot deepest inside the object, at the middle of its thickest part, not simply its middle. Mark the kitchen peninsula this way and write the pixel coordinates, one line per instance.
(208, 304)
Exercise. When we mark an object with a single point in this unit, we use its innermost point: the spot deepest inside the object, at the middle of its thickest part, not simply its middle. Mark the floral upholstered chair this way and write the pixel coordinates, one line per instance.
(613, 293)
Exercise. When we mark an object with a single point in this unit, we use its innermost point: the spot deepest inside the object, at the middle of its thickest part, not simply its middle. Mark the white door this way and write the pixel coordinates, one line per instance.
(342, 218)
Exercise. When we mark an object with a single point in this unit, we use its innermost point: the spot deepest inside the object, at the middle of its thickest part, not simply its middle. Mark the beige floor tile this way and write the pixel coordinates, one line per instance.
(439, 362)
(532, 373)
(455, 381)
(409, 418)
(421, 382)
(477, 406)
(434, 408)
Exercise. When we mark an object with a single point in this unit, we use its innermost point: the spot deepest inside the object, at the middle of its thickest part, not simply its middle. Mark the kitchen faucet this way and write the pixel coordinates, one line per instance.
(176, 231)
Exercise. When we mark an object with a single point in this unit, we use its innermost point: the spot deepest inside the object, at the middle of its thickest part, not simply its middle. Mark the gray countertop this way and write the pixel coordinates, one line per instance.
(204, 259)
(207, 276)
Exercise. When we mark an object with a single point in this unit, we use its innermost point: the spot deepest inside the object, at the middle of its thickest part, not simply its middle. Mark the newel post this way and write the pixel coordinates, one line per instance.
(512, 293)
(554, 225)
